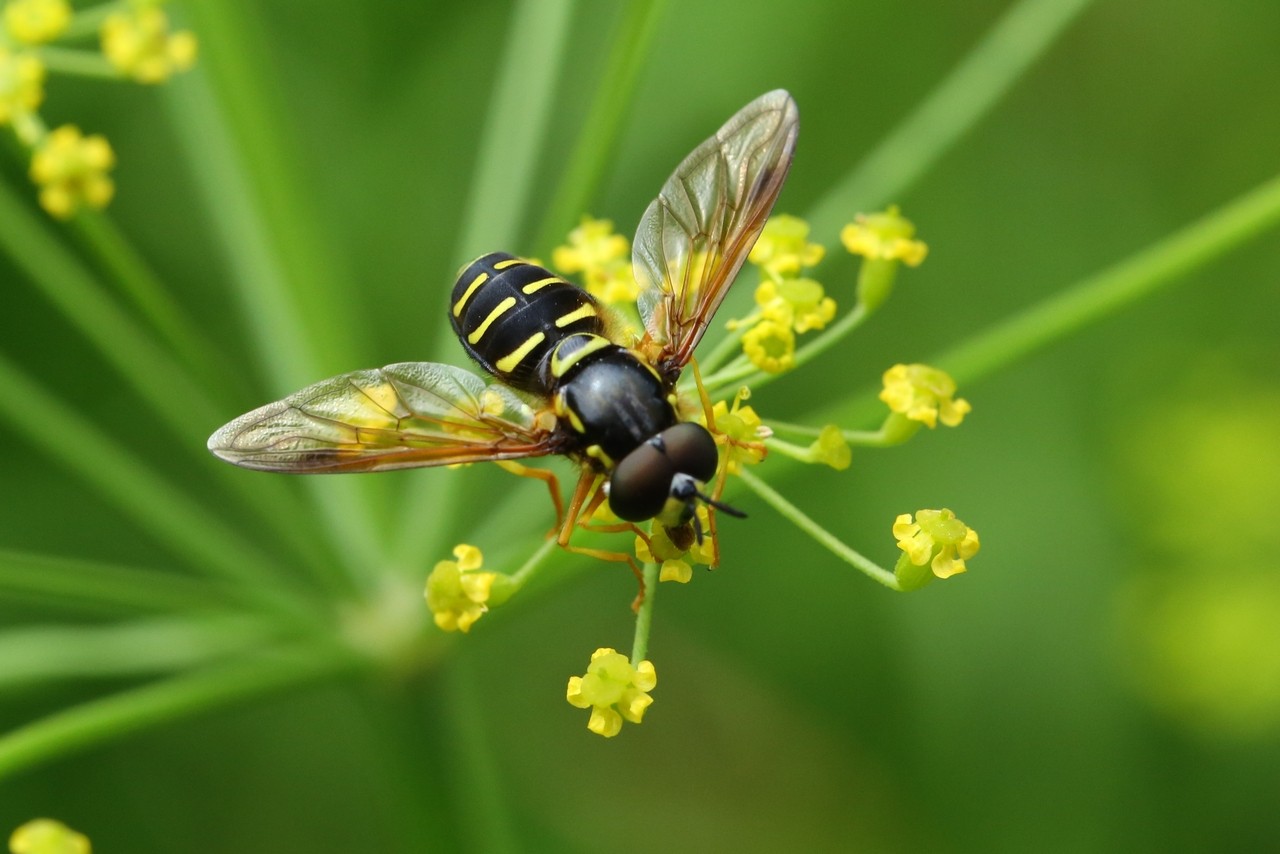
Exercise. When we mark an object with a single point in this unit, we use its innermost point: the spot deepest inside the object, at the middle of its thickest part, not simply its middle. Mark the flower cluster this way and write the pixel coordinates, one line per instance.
(936, 539)
(457, 592)
(603, 258)
(614, 690)
(924, 394)
(137, 43)
(789, 303)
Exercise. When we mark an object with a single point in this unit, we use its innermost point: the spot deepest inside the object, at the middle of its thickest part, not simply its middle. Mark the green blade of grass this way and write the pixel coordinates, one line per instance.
(1013, 44)
(33, 654)
(103, 239)
(156, 507)
(523, 97)
(274, 300)
(119, 715)
(102, 587)
(1092, 299)
(174, 397)
(597, 140)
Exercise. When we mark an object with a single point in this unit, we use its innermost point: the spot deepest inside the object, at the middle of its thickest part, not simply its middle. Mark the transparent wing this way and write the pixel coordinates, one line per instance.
(401, 416)
(695, 236)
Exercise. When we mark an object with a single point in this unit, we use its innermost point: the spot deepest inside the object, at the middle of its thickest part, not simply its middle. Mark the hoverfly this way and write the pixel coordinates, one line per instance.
(568, 381)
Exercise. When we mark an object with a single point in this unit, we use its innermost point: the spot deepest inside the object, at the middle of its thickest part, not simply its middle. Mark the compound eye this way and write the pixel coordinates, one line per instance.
(691, 450)
(640, 484)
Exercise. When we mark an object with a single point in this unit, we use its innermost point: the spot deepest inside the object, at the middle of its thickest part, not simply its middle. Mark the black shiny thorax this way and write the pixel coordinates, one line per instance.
(616, 402)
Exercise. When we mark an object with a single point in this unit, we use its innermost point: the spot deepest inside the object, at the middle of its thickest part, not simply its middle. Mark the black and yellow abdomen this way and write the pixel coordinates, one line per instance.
(510, 315)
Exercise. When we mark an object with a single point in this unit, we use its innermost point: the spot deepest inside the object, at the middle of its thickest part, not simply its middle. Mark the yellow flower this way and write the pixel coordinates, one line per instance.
(936, 538)
(923, 394)
(884, 236)
(676, 570)
(21, 84)
(456, 593)
(46, 836)
(602, 257)
(71, 171)
(677, 563)
(139, 44)
(36, 21)
(799, 303)
(783, 248)
(593, 244)
(830, 448)
(743, 430)
(771, 346)
(613, 690)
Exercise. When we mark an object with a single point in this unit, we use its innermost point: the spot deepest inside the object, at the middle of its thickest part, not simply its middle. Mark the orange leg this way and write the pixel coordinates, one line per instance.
(549, 478)
(587, 496)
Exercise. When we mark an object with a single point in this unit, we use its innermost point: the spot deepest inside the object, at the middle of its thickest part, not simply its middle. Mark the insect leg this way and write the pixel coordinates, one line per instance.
(547, 477)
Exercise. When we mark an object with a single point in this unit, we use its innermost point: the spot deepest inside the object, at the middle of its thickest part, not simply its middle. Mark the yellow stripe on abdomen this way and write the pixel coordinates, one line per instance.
(583, 311)
(466, 295)
(512, 360)
(499, 310)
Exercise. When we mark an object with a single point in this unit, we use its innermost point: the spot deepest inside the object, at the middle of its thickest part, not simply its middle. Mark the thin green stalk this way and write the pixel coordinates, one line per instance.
(87, 22)
(33, 654)
(828, 540)
(105, 242)
(271, 302)
(627, 50)
(167, 513)
(524, 97)
(1119, 286)
(82, 63)
(483, 806)
(101, 586)
(1093, 298)
(534, 563)
(1022, 35)
(174, 396)
(119, 715)
(644, 617)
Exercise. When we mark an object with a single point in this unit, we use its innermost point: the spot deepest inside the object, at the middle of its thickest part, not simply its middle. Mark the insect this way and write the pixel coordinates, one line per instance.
(567, 381)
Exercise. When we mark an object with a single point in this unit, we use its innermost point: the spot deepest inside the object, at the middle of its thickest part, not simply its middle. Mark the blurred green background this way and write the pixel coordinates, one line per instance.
(1107, 675)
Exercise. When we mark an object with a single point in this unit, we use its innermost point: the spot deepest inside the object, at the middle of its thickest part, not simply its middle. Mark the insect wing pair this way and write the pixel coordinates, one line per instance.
(689, 246)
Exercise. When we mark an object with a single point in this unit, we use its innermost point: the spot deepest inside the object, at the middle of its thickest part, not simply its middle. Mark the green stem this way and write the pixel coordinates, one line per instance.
(272, 300)
(82, 63)
(141, 648)
(101, 586)
(533, 564)
(1022, 35)
(819, 533)
(173, 395)
(482, 803)
(1117, 287)
(103, 239)
(156, 507)
(116, 716)
(87, 22)
(523, 97)
(597, 140)
(753, 379)
(644, 617)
